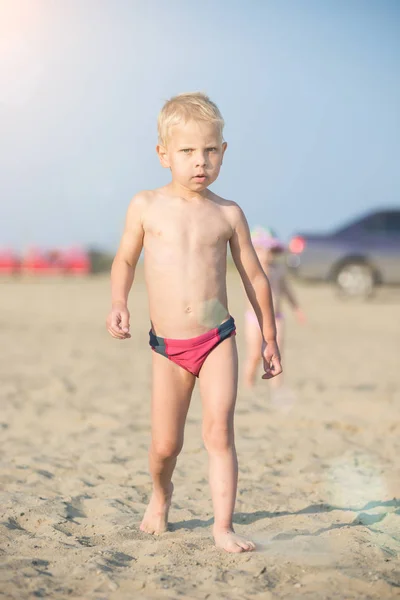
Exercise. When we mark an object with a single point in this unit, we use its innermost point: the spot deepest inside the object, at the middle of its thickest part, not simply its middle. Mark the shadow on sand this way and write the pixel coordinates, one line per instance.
(362, 518)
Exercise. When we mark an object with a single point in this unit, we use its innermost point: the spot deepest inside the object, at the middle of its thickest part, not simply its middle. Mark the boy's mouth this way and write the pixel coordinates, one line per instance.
(200, 178)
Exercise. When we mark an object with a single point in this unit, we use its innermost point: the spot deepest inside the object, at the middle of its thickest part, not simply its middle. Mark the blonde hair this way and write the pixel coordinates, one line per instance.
(185, 107)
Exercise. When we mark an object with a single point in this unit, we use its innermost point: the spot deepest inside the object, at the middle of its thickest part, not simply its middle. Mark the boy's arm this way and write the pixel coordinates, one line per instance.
(123, 268)
(257, 289)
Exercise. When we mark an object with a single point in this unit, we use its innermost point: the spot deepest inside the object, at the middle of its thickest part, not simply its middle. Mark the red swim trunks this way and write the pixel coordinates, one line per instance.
(191, 354)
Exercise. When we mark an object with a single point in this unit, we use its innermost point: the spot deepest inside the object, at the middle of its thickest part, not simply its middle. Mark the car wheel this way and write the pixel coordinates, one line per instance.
(355, 280)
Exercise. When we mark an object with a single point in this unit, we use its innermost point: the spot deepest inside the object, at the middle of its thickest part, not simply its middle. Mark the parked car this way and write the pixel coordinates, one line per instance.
(357, 257)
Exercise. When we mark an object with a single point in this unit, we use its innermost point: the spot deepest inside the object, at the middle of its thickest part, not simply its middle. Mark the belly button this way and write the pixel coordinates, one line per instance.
(188, 309)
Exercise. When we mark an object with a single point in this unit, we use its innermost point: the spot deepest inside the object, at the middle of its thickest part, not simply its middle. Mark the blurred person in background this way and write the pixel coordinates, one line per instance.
(270, 251)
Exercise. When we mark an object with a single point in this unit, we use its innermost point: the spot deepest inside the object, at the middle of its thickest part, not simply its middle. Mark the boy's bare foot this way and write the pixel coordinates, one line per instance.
(155, 518)
(231, 542)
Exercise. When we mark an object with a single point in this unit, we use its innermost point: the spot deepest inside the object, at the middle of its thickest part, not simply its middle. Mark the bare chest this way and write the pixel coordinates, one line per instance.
(193, 230)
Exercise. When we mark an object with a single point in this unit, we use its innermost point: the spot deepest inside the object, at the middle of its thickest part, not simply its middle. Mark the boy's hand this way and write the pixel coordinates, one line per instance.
(118, 322)
(272, 360)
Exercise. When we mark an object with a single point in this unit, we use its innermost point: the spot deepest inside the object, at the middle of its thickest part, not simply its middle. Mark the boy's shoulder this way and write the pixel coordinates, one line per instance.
(143, 198)
(141, 203)
(228, 205)
(146, 198)
(233, 212)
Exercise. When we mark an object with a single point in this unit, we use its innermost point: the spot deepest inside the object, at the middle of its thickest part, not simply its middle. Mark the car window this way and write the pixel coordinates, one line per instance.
(374, 223)
(385, 222)
(393, 222)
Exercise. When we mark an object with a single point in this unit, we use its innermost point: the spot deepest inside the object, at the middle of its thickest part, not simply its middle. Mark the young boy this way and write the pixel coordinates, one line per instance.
(269, 250)
(184, 229)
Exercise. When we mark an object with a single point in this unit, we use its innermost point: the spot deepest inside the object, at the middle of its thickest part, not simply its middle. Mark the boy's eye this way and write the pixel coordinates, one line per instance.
(211, 149)
(186, 150)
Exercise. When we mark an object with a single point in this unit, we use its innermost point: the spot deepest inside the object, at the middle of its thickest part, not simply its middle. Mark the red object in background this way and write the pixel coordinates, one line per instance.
(297, 245)
(76, 261)
(9, 262)
(37, 262)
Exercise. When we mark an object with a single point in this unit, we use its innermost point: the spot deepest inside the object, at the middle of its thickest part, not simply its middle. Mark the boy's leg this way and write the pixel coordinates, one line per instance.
(218, 387)
(172, 388)
(253, 351)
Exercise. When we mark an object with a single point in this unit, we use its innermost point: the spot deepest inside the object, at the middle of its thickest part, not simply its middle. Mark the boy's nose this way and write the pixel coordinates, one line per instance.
(201, 159)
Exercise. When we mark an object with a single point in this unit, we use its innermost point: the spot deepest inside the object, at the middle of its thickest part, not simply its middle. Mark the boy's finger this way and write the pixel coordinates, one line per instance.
(272, 368)
(124, 325)
(267, 375)
(115, 322)
(267, 364)
(120, 335)
(115, 333)
(277, 365)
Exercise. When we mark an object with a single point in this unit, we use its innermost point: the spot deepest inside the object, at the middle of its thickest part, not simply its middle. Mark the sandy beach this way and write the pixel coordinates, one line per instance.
(319, 481)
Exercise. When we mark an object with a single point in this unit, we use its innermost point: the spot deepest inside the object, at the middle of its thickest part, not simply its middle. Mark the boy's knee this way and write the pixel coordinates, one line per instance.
(165, 449)
(217, 437)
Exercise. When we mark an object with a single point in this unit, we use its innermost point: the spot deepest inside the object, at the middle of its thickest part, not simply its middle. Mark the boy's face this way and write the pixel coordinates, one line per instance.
(194, 154)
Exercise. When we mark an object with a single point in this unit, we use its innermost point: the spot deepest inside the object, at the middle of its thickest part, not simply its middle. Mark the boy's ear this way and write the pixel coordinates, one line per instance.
(163, 156)
(224, 147)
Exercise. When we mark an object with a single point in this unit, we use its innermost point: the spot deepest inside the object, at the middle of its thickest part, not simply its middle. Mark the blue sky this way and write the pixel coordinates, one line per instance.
(309, 89)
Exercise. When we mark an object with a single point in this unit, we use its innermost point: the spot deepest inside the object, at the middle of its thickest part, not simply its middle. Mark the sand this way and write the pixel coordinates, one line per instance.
(319, 480)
